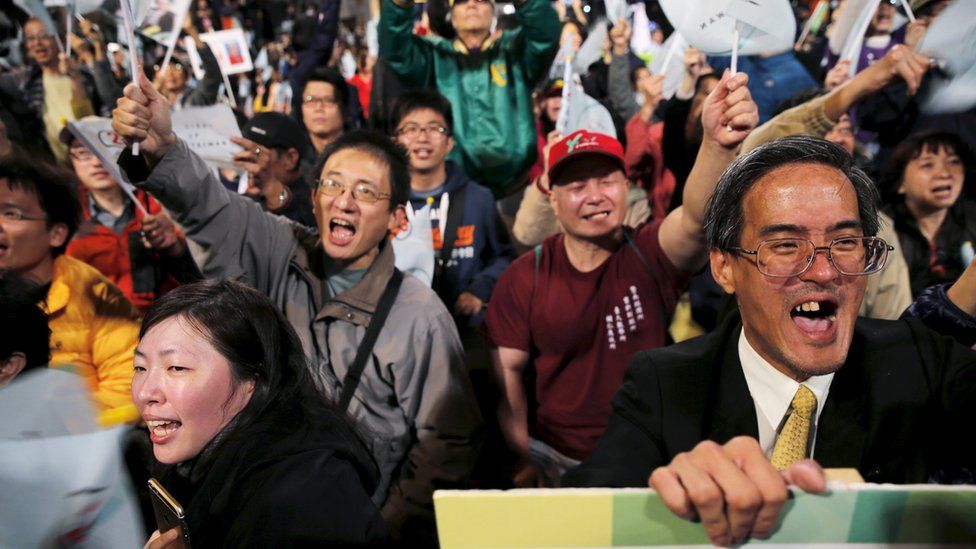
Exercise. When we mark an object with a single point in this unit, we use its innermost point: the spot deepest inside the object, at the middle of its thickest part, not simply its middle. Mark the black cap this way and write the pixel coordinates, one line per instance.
(276, 131)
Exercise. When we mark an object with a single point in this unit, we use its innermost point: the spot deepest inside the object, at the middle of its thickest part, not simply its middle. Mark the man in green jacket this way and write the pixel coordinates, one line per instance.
(488, 81)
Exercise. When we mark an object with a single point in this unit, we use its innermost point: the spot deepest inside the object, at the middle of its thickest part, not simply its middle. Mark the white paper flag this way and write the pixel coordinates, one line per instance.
(413, 245)
(207, 131)
(98, 136)
(671, 64)
(767, 26)
(951, 40)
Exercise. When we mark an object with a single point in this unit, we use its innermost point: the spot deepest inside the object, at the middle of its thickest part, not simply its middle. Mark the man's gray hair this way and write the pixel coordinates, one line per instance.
(723, 215)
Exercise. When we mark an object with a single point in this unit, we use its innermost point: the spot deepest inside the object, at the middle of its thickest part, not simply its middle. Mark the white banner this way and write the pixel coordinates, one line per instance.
(207, 131)
(766, 26)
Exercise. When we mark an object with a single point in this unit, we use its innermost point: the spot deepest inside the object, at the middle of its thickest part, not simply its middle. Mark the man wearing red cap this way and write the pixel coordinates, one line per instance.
(583, 302)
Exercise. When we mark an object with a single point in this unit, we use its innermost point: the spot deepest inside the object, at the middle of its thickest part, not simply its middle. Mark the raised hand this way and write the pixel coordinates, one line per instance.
(838, 74)
(729, 113)
(142, 114)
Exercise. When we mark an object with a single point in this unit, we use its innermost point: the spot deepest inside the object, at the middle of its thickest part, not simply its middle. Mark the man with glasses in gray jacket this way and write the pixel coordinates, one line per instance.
(412, 402)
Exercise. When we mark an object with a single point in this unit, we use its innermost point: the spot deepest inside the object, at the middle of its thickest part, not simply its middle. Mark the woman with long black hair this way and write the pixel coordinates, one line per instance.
(240, 437)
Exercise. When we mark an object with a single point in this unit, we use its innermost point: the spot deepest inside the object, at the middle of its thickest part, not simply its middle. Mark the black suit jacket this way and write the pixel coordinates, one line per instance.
(902, 409)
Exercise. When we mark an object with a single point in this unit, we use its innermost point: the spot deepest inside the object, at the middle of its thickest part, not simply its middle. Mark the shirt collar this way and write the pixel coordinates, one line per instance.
(773, 390)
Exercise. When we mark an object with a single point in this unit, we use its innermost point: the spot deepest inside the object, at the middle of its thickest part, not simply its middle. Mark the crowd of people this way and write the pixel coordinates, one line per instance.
(637, 300)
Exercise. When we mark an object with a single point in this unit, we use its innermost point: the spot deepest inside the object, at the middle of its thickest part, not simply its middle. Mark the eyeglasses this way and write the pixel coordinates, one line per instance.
(321, 101)
(412, 131)
(850, 255)
(15, 214)
(361, 192)
(175, 66)
(28, 38)
(81, 155)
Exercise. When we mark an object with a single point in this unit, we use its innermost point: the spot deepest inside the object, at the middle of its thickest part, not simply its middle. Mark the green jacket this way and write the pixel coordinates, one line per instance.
(490, 90)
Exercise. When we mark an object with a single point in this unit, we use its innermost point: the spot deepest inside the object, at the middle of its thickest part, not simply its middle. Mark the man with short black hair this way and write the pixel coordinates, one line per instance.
(471, 246)
(406, 389)
(720, 424)
(94, 327)
(274, 146)
(324, 100)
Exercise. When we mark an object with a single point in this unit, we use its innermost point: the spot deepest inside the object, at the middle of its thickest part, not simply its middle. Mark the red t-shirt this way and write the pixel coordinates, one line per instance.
(582, 329)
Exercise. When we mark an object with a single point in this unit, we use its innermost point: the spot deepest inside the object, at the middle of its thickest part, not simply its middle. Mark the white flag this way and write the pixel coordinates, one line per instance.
(951, 40)
(766, 26)
(413, 245)
(207, 131)
(671, 64)
(98, 136)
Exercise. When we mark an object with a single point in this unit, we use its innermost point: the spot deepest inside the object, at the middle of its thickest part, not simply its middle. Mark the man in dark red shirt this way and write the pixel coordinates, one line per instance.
(582, 303)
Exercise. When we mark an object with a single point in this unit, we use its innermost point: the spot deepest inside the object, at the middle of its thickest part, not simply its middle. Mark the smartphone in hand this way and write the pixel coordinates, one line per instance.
(169, 513)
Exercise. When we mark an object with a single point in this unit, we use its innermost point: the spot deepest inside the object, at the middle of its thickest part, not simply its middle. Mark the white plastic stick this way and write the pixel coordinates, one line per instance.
(671, 51)
(227, 88)
(908, 10)
(67, 35)
(133, 62)
(735, 47)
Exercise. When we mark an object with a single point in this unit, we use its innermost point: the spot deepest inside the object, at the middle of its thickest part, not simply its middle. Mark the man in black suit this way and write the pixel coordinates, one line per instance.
(721, 424)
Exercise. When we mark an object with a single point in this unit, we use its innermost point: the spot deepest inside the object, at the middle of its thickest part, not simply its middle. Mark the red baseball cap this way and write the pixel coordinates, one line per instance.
(583, 143)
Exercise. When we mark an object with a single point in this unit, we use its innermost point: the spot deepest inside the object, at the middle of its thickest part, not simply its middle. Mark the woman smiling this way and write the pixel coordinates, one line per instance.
(240, 438)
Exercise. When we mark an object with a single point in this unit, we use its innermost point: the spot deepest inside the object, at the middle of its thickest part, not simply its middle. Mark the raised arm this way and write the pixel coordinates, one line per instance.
(317, 53)
(729, 114)
(237, 238)
(407, 55)
(539, 35)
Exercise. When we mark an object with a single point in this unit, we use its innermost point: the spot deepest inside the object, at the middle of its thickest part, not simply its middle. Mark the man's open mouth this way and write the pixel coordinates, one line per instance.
(341, 231)
(815, 316)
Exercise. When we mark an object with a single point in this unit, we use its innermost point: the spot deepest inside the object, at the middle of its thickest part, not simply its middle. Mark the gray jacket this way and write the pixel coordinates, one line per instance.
(414, 405)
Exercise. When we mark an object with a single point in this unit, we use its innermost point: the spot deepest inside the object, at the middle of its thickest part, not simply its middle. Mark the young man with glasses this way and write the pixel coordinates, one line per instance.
(471, 246)
(719, 425)
(413, 401)
(487, 78)
(94, 328)
(136, 247)
(578, 307)
(324, 99)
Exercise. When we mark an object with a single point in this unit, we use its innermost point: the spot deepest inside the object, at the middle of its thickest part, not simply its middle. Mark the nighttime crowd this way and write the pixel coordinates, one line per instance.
(467, 244)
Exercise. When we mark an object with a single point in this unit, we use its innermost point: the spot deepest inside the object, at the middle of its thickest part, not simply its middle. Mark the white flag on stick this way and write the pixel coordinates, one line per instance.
(170, 26)
(767, 26)
(591, 49)
(207, 131)
(671, 64)
(128, 21)
(97, 135)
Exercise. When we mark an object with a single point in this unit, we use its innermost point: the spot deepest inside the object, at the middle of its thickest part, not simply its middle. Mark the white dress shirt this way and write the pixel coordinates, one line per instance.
(772, 392)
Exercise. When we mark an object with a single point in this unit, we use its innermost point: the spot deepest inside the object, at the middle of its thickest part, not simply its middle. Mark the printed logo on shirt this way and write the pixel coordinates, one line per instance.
(622, 321)
(499, 74)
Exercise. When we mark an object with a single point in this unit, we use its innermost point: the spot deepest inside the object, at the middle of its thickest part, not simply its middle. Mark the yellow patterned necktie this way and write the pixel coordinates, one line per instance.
(792, 443)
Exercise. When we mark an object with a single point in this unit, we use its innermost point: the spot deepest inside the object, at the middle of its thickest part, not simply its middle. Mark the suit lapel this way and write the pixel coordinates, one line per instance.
(841, 433)
(733, 413)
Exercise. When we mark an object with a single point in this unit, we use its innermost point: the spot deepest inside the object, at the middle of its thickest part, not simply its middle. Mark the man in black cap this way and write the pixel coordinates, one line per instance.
(273, 147)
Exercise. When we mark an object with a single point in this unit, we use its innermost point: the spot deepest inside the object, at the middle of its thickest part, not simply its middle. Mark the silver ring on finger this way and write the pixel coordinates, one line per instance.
(257, 151)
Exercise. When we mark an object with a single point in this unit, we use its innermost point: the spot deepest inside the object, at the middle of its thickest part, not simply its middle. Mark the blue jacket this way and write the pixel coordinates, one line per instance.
(482, 249)
(772, 79)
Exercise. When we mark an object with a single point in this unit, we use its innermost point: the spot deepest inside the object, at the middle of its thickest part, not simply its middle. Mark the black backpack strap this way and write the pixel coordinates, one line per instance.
(454, 213)
(365, 349)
